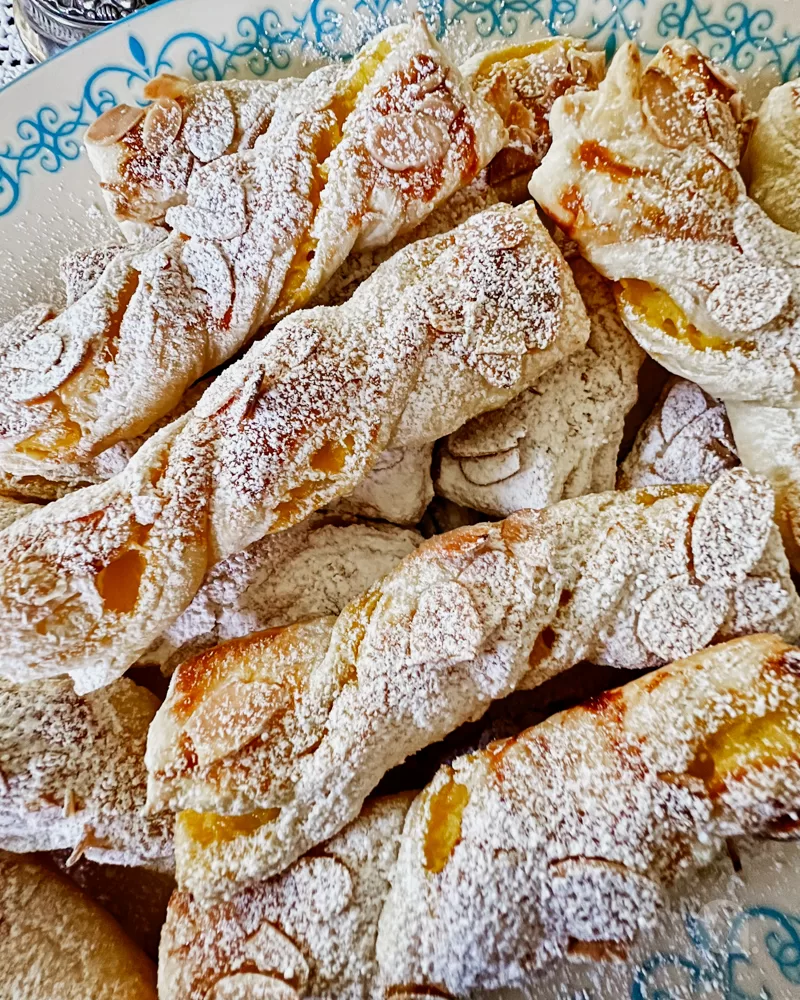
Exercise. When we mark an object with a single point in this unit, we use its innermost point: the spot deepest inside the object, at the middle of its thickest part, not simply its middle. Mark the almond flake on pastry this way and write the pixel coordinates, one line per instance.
(629, 580)
(561, 437)
(643, 175)
(310, 932)
(144, 157)
(521, 82)
(561, 842)
(260, 232)
(73, 773)
(772, 161)
(686, 439)
(57, 943)
(313, 569)
(448, 328)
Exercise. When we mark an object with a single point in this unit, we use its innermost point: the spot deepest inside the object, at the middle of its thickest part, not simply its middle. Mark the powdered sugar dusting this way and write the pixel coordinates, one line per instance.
(561, 437)
(687, 439)
(313, 927)
(310, 570)
(569, 835)
(74, 773)
(468, 618)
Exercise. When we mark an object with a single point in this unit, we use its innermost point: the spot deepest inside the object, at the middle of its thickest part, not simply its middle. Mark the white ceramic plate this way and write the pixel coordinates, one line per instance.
(742, 940)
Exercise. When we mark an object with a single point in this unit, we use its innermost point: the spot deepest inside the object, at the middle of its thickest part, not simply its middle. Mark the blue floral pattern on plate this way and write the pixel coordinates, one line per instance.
(741, 36)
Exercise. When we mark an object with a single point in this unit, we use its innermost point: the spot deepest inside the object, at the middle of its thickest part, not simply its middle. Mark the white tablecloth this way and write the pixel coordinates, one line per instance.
(13, 57)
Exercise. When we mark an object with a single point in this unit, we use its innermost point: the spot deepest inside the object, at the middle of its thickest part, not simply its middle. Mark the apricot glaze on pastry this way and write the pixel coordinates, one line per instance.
(448, 328)
(229, 519)
(643, 175)
(284, 735)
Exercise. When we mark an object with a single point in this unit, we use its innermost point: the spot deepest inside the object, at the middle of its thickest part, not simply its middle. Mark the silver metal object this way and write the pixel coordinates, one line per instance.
(47, 26)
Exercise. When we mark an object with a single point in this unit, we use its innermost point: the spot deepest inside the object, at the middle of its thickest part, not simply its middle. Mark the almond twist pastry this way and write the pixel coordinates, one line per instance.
(72, 773)
(686, 439)
(313, 569)
(448, 328)
(561, 437)
(145, 156)
(772, 161)
(642, 174)
(562, 841)
(57, 943)
(296, 726)
(374, 154)
(310, 932)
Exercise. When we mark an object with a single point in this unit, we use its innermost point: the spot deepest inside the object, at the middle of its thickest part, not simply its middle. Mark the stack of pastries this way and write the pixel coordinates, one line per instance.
(255, 589)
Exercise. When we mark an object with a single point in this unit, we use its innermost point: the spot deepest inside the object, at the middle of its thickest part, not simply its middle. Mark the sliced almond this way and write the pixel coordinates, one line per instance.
(166, 85)
(251, 986)
(732, 526)
(681, 617)
(162, 124)
(401, 142)
(210, 125)
(113, 125)
(269, 949)
(668, 111)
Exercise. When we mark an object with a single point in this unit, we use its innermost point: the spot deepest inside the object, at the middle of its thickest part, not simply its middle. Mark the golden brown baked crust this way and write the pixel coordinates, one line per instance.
(771, 164)
(57, 943)
(643, 174)
(625, 579)
(446, 329)
(560, 842)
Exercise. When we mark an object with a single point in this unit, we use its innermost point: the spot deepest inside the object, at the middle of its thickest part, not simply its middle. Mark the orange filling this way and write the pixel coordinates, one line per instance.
(648, 497)
(207, 829)
(744, 744)
(74, 401)
(118, 584)
(294, 294)
(444, 825)
(655, 308)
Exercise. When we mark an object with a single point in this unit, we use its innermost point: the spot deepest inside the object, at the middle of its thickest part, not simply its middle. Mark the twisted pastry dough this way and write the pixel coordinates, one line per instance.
(561, 842)
(72, 773)
(561, 437)
(315, 568)
(145, 157)
(296, 726)
(448, 328)
(393, 138)
(57, 943)
(520, 82)
(772, 161)
(686, 439)
(310, 932)
(643, 175)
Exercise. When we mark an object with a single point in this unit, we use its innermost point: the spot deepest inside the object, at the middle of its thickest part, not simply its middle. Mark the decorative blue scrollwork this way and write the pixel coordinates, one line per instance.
(721, 971)
(266, 40)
